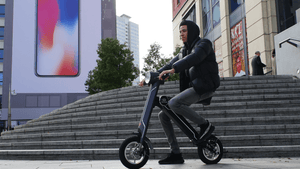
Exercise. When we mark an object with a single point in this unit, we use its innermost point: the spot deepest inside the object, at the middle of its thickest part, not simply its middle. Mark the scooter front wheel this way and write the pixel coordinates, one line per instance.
(133, 154)
(211, 152)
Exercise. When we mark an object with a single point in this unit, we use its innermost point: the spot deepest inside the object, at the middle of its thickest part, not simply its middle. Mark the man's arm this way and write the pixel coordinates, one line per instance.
(170, 64)
(202, 50)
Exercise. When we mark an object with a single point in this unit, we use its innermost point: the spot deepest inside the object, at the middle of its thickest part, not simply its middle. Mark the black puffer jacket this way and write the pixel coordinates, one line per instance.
(196, 63)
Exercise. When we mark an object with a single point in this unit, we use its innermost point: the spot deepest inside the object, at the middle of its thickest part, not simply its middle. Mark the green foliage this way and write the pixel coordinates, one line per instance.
(115, 68)
(154, 61)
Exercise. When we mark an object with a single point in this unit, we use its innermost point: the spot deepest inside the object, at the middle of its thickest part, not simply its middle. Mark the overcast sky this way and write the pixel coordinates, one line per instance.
(155, 23)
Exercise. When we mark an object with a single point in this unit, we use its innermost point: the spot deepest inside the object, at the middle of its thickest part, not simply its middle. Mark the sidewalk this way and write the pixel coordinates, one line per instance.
(249, 163)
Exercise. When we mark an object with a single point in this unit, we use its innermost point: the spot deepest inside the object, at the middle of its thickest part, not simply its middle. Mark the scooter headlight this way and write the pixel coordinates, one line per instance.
(151, 77)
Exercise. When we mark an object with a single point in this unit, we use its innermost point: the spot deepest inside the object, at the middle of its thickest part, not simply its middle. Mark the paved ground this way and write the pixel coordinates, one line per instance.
(249, 163)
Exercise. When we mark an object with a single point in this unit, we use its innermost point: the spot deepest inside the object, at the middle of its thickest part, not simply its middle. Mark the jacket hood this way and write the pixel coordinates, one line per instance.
(193, 32)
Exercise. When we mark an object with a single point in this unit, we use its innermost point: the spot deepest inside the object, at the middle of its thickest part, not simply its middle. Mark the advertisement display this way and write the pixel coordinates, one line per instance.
(237, 50)
(55, 45)
(57, 38)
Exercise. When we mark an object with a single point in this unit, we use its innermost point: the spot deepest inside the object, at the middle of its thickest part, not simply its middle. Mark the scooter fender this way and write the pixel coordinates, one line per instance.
(147, 140)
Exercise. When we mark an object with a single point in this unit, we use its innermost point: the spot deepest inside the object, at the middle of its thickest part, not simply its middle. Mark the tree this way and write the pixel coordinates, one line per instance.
(115, 68)
(154, 61)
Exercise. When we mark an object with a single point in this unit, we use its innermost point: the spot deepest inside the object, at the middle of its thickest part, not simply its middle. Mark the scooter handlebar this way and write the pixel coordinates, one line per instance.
(152, 77)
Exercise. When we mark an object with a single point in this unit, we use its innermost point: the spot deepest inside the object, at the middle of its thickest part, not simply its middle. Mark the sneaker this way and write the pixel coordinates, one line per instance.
(206, 130)
(172, 159)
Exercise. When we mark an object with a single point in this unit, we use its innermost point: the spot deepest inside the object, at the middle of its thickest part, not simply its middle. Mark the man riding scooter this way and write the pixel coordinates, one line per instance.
(196, 63)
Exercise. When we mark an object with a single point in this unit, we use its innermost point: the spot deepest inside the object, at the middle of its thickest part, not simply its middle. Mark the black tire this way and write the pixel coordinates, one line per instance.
(212, 151)
(131, 155)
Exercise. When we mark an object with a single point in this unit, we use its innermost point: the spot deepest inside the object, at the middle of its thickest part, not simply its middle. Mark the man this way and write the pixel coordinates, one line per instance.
(199, 74)
(257, 65)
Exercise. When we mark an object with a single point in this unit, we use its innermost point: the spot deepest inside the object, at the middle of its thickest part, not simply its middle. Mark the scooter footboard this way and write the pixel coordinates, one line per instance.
(180, 121)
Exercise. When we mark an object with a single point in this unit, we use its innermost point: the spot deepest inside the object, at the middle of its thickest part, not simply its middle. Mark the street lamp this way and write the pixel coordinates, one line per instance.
(9, 108)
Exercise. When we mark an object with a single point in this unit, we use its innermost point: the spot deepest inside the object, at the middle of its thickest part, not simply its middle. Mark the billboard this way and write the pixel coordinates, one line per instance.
(57, 39)
(54, 44)
(237, 50)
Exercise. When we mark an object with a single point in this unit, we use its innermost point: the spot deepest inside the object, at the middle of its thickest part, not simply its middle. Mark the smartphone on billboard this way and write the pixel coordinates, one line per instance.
(57, 40)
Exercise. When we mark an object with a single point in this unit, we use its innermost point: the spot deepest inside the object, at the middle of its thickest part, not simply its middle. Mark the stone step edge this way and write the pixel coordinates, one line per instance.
(213, 105)
(215, 112)
(213, 120)
(161, 149)
(158, 140)
(218, 128)
(100, 119)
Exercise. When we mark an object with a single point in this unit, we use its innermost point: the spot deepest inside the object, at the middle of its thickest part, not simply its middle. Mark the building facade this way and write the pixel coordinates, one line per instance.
(237, 28)
(128, 33)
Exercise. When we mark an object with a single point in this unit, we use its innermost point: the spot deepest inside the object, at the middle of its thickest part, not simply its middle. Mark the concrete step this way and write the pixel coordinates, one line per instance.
(157, 153)
(132, 92)
(232, 141)
(228, 101)
(132, 112)
(230, 120)
(233, 126)
(124, 108)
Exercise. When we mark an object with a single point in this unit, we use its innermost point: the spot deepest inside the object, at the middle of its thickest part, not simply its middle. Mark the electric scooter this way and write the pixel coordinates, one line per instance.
(134, 151)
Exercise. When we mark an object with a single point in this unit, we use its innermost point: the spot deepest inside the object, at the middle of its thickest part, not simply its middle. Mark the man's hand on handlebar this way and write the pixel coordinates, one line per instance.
(171, 71)
(142, 83)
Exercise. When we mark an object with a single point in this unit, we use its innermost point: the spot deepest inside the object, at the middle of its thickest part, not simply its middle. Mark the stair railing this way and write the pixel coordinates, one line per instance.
(288, 40)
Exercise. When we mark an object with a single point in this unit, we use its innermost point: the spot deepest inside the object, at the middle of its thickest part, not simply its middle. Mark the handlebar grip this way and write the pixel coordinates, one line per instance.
(165, 76)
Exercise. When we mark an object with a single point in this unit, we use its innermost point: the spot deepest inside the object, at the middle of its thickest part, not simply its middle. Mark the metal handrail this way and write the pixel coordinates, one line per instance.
(288, 41)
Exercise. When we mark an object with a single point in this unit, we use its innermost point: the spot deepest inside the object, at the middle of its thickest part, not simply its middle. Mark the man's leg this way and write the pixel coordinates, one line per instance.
(169, 131)
(180, 105)
(175, 156)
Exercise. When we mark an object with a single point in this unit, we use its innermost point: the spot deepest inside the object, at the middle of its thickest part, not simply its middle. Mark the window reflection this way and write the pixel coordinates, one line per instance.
(191, 15)
(216, 14)
(235, 4)
(211, 15)
(205, 6)
(213, 2)
(206, 23)
(2, 11)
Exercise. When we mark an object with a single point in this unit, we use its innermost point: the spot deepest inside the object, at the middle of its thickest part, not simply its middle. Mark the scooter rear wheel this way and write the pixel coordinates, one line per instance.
(132, 154)
(212, 151)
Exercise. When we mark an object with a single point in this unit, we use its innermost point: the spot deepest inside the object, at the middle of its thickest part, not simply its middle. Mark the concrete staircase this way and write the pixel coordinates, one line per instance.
(255, 116)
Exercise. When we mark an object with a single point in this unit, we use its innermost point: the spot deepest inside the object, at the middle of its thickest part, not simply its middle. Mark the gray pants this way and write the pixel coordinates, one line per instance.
(180, 105)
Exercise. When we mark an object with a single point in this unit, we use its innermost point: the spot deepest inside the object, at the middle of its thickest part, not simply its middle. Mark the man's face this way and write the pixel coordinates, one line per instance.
(183, 33)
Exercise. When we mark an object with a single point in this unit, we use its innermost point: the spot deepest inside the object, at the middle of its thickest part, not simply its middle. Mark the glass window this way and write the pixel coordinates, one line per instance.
(213, 2)
(206, 23)
(1, 33)
(235, 4)
(216, 14)
(2, 11)
(287, 13)
(1, 78)
(1, 54)
(191, 15)
(211, 15)
(205, 6)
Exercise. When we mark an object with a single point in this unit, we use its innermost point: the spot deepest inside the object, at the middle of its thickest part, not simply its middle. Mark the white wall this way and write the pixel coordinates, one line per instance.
(288, 56)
